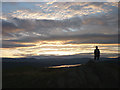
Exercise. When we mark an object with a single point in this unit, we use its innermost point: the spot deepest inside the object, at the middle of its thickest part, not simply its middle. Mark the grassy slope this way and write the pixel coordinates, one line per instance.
(90, 75)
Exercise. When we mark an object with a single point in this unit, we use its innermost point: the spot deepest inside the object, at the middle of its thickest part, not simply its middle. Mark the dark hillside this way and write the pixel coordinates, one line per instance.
(90, 75)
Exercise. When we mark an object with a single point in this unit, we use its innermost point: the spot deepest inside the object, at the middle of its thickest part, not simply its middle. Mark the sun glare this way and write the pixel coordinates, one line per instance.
(57, 48)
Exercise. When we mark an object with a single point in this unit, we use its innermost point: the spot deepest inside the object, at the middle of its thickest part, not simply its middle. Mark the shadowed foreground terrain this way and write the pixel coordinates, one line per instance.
(102, 74)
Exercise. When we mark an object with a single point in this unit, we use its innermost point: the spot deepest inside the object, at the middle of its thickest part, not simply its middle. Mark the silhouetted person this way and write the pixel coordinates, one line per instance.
(96, 53)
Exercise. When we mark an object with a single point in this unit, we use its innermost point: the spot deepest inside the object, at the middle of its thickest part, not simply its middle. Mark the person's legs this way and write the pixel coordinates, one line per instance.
(98, 57)
(94, 57)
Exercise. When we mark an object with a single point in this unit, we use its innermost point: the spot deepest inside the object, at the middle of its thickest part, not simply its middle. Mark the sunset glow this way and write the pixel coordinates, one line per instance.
(58, 50)
(59, 28)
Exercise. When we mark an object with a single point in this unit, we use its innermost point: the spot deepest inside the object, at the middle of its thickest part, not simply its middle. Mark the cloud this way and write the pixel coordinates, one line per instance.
(58, 28)
(60, 10)
(92, 38)
(91, 28)
(15, 45)
(76, 39)
(60, 1)
(9, 44)
(8, 28)
(82, 29)
(45, 27)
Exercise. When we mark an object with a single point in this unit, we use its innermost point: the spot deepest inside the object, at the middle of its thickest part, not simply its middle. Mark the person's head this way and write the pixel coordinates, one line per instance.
(96, 47)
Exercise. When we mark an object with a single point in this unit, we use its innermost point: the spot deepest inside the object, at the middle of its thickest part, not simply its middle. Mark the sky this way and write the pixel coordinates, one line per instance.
(58, 28)
(60, 0)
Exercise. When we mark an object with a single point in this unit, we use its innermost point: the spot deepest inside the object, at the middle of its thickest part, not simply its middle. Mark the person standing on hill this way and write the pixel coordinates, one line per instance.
(96, 53)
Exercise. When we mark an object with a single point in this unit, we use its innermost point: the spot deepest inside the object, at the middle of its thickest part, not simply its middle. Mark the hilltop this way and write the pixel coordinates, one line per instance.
(102, 74)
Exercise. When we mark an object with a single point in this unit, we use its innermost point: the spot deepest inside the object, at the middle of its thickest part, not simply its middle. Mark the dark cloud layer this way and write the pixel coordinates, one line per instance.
(50, 30)
(8, 28)
(15, 45)
(77, 39)
(10, 44)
